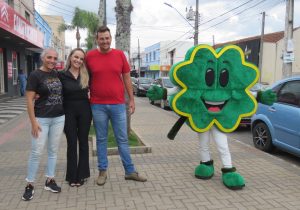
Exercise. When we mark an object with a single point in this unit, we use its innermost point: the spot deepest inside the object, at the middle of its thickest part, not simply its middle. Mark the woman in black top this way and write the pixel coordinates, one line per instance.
(47, 119)
(75, 80)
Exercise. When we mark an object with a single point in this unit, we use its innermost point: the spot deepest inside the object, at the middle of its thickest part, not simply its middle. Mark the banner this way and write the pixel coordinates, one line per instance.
(19, 26)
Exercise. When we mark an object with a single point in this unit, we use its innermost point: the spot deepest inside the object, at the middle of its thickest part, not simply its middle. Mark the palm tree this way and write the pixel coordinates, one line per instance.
(123, 15)
(83, 19)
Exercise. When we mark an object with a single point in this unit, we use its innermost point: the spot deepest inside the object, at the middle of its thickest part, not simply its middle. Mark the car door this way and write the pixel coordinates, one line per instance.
(285, 115)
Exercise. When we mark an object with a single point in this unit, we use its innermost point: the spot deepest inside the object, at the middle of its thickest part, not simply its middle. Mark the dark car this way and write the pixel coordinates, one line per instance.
(278, 125)
(141, 85)
(163, 82)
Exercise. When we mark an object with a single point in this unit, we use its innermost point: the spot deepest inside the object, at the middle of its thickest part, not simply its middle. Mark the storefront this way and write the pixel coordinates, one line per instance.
(19, 42)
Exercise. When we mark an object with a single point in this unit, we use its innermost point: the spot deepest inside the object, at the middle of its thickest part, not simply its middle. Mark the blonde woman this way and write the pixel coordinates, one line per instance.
(75, 80)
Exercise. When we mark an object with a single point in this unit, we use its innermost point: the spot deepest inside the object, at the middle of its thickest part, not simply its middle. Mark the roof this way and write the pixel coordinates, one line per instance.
(272, 37)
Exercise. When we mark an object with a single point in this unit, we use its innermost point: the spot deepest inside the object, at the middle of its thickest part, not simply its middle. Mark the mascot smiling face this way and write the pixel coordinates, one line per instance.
(215, 87)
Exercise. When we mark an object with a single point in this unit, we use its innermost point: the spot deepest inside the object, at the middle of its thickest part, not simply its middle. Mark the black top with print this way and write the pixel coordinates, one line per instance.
(49, 88)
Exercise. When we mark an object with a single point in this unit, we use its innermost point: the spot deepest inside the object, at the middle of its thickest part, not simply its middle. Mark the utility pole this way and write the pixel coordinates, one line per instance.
(261, 46)
(139, 59)
(196, 23)
(288, 39)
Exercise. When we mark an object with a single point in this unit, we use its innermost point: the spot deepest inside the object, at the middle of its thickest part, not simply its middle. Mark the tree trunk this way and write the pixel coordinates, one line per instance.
(123, 16)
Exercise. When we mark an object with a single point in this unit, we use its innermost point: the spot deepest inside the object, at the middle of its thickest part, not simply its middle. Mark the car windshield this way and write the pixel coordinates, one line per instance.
(145, 80)
(167, 83)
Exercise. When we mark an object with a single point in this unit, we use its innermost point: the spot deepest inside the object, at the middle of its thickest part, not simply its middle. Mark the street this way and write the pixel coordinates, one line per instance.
(242, 134)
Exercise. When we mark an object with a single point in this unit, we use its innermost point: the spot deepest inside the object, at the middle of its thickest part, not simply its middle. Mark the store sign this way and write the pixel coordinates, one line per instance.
(9, 70)
(19, 26)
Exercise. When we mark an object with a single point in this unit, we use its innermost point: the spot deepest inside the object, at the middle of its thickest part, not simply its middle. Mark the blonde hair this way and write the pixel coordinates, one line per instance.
(84, 75)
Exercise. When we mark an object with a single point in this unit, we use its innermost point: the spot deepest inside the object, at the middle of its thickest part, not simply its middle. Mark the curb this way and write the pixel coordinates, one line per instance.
(114, 151)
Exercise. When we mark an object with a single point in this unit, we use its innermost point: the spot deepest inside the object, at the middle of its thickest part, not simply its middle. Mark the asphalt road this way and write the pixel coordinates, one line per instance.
(243, 134)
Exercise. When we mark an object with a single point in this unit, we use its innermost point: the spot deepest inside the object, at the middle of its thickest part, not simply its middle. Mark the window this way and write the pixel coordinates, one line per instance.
(290, 93)
(27, 16)
(154, 55)
(15, 67)
(10, 3)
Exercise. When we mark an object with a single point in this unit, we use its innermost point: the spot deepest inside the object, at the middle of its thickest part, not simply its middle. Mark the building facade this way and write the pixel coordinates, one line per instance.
(58, 37)
(158, 58)
(19, 41)
(272, 54)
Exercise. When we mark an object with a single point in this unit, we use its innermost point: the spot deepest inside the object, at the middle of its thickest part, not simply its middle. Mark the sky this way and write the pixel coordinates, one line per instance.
(153, 21)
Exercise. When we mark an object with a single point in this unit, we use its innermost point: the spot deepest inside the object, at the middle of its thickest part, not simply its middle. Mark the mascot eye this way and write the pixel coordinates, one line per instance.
(209, 77)
(224, 77)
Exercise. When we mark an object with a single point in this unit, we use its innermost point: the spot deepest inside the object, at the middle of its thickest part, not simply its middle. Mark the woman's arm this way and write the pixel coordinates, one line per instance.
(35, 127)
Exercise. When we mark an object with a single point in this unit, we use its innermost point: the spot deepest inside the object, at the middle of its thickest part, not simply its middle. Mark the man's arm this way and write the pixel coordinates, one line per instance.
(128, 86)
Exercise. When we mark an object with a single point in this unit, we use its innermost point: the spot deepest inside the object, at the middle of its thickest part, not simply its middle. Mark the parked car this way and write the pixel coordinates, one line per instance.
(278, 125)
(163, 82)
(246, 121)
(141, 85)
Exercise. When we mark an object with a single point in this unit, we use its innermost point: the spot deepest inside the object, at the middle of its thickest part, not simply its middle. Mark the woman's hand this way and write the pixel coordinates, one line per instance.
(36, 128)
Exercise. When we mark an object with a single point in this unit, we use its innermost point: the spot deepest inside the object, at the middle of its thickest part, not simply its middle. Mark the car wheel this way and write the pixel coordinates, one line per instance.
(262, 138)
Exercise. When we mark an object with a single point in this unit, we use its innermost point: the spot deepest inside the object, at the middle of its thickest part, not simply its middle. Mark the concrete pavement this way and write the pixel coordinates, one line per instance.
(270, 182)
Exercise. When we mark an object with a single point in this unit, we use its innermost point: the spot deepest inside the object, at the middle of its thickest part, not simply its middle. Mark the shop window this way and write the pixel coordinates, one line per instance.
(27, 16)
(15, 67)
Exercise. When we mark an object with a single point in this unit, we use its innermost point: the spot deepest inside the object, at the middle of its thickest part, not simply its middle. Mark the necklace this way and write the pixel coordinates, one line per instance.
(74, 73)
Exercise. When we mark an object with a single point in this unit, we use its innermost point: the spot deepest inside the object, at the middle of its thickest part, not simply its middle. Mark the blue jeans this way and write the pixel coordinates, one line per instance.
(116, 113)
(52, 129)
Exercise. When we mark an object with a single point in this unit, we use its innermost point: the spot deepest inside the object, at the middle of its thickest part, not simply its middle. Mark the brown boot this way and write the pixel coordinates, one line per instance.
(102, 178)
(135, 177)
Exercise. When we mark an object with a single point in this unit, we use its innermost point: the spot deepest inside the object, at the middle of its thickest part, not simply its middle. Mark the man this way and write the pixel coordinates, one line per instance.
(110, 72)
(22, 79)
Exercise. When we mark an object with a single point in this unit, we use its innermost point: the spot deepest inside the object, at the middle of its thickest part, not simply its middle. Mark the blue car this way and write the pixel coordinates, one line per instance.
(279, 125)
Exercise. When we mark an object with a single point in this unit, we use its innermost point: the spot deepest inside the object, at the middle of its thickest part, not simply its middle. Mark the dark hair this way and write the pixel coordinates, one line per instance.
(102, 29)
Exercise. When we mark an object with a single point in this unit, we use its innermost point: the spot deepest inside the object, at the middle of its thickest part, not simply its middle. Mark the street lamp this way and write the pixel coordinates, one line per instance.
(196, 21)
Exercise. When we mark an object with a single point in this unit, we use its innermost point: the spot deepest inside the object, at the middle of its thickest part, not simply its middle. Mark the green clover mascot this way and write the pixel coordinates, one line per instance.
(212, 94)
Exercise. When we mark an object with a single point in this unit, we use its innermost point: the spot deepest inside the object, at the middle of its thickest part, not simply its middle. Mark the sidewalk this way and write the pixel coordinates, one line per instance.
(270, 182)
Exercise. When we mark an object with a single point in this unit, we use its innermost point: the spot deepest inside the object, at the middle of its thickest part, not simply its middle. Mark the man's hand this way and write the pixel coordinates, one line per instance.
(156, 93)
(267, 97)
(131, 105)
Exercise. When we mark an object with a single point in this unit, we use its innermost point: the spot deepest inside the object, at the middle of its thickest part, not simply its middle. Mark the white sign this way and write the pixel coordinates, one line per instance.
(288, 57)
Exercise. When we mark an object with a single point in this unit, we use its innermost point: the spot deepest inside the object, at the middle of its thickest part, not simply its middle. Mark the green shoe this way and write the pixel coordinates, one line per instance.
(231, 179)
(205, 170)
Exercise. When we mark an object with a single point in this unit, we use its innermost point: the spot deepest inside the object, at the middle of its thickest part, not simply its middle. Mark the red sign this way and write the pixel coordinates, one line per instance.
(60, 65)
(19, 26)
(9, 70)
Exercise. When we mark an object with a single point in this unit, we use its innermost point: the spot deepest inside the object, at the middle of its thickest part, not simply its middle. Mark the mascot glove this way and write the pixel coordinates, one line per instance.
(156, 93)
(267, 97)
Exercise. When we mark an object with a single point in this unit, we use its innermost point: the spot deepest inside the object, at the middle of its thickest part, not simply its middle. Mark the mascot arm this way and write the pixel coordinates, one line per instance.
(158, 93)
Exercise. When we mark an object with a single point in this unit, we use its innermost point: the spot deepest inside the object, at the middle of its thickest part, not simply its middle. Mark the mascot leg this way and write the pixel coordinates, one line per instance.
(230, 177)
(206, 168)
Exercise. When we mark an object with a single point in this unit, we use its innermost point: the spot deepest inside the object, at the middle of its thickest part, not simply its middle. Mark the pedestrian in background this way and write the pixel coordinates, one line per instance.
(47, 120)
(75, 80)
(109, 72)
(22, 79)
